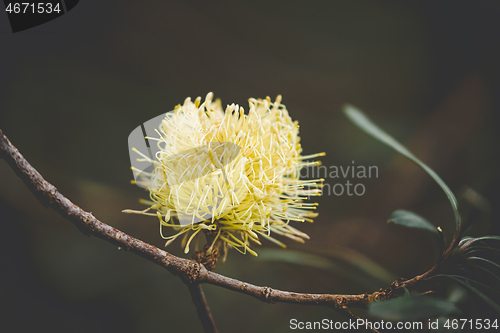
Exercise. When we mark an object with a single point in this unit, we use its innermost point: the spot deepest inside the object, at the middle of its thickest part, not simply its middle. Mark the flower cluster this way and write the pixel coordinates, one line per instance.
(235, 176)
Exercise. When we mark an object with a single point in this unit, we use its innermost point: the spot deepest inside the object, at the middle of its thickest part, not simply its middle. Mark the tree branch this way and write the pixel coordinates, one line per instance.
(202, 308)
(270, 295)
(189, 271)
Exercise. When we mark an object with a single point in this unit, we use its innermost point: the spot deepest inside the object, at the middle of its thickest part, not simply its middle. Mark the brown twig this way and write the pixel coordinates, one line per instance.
(191, 272)
(346, 312)
(200, 302)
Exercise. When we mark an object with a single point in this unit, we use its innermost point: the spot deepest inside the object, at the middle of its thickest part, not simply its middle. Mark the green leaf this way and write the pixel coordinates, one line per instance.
(469, 281)
(362, 263)
(412, 307)
(411, 220)
(364, 123)
(298, 258)
(481, 249)
(481, 259)
(467, 241)
(343, 262)
(488, 271)
(466, 283)
(464, 240)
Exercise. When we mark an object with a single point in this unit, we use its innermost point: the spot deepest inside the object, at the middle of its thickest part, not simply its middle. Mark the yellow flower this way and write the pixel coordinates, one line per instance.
(234, 175)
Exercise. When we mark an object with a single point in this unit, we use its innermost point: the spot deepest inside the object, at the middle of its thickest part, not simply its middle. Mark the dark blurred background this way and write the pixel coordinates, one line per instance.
(73, 89)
